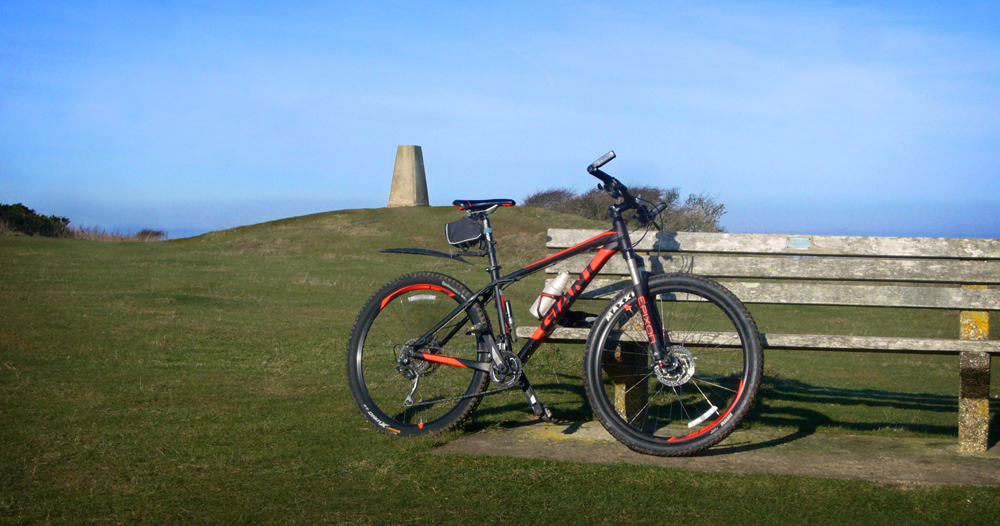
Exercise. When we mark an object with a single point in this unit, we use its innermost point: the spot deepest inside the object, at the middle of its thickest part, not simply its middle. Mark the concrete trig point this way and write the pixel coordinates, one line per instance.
(409, 183)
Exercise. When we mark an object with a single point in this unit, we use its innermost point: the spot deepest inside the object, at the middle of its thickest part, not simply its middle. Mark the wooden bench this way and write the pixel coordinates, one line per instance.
(934, 273)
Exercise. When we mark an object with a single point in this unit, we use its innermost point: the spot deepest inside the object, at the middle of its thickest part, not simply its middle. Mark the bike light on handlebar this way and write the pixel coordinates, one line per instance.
(601, 162)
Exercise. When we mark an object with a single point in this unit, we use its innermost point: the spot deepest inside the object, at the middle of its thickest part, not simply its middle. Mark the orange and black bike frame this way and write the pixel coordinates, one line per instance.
(606, 245)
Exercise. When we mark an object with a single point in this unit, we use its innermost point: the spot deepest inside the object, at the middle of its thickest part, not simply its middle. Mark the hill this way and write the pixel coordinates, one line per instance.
(340, 250)
(202, 380)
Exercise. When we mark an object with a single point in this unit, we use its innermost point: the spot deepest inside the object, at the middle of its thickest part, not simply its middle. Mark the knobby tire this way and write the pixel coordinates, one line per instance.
(698, 403)
(397, 314)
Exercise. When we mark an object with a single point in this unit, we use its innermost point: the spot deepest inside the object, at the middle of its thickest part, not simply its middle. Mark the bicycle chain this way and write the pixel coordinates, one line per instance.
(463, 397)
(510, 385)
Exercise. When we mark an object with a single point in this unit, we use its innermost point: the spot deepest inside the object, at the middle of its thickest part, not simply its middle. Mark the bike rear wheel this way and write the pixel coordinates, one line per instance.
(707, 390)
(384, 389)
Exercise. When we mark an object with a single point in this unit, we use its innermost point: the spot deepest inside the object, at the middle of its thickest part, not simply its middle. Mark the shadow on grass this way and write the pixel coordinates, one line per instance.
(783, 404)
(517, 412)
(789, 403)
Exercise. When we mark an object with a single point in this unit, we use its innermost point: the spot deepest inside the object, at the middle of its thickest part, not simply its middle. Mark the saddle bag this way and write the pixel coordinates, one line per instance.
(464, 233)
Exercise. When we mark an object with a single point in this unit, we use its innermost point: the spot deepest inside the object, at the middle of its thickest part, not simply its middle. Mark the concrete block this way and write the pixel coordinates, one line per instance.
(974, 383)
(409, 183)
(974, 402)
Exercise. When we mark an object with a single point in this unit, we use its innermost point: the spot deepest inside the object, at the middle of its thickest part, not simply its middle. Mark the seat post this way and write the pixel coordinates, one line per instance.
(504, 338)
(491, 251)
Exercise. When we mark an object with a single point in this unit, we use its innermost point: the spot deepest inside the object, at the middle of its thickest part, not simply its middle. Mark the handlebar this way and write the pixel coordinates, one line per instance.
(617, 190)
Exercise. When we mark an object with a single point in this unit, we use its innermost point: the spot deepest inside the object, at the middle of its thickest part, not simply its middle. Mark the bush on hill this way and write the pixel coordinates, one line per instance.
(21, 219)
(698, 213)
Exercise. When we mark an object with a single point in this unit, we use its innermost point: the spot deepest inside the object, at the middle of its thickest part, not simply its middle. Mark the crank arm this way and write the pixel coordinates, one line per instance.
(540, 409)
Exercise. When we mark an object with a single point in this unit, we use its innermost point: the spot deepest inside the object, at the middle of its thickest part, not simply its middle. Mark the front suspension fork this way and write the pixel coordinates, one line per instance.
(658, 339)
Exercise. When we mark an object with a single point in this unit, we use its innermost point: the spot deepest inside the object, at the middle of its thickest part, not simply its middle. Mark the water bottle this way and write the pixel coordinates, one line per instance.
(552, 291)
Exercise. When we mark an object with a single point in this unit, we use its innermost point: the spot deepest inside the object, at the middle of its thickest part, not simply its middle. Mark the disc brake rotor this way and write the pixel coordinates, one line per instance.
(681, 372)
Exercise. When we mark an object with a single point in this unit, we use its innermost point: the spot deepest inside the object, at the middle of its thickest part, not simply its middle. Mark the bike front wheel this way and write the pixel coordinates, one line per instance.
(691, 401)
(412, 396)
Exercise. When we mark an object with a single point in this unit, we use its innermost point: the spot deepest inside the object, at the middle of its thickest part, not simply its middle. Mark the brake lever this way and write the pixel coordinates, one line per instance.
(609, 189)
(642, 214)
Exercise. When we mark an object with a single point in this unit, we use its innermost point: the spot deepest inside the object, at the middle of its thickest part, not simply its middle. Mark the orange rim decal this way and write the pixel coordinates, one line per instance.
(422, 286)
(739, 393)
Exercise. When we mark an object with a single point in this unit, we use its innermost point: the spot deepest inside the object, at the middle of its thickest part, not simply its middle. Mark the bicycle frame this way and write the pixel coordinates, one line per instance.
(606, 244)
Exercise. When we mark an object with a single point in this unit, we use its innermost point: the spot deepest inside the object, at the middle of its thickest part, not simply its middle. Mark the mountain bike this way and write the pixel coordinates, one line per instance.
(672, 365)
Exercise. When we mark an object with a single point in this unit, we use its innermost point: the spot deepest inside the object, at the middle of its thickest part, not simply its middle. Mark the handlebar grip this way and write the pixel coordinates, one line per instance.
(600, 162)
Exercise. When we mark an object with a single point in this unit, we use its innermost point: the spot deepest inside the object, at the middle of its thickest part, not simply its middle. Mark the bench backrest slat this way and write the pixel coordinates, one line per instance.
(811, 268)
(838, 295)
(905, 247)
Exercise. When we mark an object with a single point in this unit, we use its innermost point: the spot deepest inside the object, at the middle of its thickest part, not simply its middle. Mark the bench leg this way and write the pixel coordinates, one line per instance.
(974, 402)
(974, 383)
(629, 372)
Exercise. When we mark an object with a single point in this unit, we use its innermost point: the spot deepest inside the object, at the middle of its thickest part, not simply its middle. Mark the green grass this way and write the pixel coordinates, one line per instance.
(202, 381)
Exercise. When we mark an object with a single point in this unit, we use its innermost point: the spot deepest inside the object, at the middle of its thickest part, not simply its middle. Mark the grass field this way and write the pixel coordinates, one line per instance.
(202, 381)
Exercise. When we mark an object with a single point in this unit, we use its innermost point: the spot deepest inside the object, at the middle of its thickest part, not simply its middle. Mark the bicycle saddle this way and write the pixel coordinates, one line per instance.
(479, 206)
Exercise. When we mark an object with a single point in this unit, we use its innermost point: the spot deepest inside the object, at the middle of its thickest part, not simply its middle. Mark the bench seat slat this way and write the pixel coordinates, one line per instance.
(837, 295)
(843, 269)
(877, 344)
(810, 341)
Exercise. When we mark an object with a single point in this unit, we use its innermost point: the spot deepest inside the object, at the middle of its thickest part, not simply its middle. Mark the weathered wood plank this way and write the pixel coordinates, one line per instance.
(813, 268)
(866, 296)
(808, 342)
(876, 344)
(917, 247)
(837, 295)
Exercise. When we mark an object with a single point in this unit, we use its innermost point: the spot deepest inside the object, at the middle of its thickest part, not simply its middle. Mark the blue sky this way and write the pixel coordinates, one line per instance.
(857, 118)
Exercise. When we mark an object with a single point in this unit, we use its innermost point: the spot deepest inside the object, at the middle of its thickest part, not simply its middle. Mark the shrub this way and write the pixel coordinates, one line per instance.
(150, 235)
(21, 219)
(550, 198)
(698, 213)
(99, 234)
